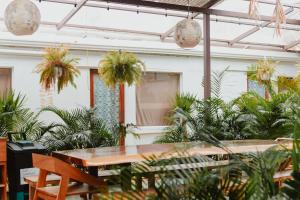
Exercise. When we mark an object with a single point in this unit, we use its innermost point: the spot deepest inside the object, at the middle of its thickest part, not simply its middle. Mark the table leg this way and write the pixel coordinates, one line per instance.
(151, 180)
(139, 182)
(126, 176)
(93, 171)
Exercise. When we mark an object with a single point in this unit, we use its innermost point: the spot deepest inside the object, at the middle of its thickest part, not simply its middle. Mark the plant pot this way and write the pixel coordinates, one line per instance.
(265, 76)
(58, 72)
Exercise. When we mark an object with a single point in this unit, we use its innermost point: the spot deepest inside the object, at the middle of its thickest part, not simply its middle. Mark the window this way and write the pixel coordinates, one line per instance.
(5, 80)
(256, 87)
(154, 96)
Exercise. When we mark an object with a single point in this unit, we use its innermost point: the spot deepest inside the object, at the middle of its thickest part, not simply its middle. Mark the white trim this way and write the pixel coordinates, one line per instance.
(217, 52)
(142, 130)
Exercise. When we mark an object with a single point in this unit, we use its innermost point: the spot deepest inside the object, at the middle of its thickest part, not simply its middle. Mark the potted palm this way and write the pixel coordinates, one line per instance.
(57, 68)
(118, 68)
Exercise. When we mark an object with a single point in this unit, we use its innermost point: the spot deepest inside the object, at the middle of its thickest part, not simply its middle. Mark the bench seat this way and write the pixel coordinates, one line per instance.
(73, 189)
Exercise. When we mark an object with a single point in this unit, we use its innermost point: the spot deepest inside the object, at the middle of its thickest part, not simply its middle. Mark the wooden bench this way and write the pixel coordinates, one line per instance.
(108, 174)
(51, 165)
(3, 169)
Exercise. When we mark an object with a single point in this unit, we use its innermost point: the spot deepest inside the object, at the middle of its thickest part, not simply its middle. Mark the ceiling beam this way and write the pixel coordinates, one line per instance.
(163, 13)
(211, 3)
(291, 45)
(156, 34)
(240, 15)
(71, 14)
(158, 4)
(255, 29)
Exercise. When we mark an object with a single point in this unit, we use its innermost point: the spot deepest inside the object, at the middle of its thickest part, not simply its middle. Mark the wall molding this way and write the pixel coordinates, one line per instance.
(34, 48)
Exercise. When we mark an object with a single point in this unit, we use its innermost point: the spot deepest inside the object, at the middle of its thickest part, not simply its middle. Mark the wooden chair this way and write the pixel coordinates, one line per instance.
(32, 182)
(3, 170)
(82, 185)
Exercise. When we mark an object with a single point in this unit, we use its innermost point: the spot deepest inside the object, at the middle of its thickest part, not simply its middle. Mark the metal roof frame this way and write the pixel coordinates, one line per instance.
(179, 5)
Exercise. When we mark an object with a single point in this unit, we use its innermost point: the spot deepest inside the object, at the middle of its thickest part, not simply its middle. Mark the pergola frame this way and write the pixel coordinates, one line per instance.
(206, 10)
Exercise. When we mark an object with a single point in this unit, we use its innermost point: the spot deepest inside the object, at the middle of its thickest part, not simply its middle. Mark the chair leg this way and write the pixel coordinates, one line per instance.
(84, 196)
(64, 182)
(31, 192)
(3, 172)
(41, 183)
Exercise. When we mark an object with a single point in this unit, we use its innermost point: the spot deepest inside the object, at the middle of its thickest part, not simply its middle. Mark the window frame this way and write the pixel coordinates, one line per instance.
(266, 92)
(154, 129)
(11, 69)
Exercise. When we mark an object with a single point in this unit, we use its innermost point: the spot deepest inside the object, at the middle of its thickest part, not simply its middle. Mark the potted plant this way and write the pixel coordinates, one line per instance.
(57, 68)
(118, 68)
(262, 72)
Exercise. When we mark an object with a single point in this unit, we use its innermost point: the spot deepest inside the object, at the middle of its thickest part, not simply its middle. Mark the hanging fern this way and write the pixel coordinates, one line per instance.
(57, 68)
(120, 67)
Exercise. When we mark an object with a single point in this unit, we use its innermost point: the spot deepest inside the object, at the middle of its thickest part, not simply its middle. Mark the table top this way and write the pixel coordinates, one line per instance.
(120, 155)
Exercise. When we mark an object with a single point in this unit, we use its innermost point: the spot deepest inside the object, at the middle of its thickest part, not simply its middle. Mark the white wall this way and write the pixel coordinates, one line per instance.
(189, 65)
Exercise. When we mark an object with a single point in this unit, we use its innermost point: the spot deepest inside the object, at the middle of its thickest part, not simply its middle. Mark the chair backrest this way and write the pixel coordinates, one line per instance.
(3, 149)
(285, 164)
(63, 169)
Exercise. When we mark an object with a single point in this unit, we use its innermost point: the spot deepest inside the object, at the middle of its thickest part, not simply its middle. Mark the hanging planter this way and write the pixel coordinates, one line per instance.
(119, 68)
(22, 17)
(57, 68)
(262, 71)
(187, 33)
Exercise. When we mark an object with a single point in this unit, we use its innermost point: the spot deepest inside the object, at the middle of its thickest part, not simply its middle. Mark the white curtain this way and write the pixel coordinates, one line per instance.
(5, 80)
(154, 96)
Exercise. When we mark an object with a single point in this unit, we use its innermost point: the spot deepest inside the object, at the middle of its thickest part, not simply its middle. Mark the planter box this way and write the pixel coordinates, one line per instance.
(3, 149)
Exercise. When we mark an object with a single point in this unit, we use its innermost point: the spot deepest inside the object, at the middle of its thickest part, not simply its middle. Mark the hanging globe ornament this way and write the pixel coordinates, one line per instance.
(22, 17)
(187, 33)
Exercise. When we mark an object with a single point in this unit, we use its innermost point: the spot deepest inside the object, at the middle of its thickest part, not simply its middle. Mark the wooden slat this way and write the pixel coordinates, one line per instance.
(3, 149)
(75, 189)
(51, 179)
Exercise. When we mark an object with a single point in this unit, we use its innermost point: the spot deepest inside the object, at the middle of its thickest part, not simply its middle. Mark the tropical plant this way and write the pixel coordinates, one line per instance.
(119, 67)
(16, 118)
(216, 82)
(287, 83)
(267, 118)
(177, 132)
(57, 68)
(79, 128)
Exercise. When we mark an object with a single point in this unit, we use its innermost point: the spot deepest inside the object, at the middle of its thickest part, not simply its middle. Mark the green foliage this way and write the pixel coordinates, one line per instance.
(16, 118)
(120, 67)
(248, 176)
(184, 102)
(250, 116)
(210, 118)
(57, 67)
(266, 119)
(79, 128)
(216, 82)
(178, 131)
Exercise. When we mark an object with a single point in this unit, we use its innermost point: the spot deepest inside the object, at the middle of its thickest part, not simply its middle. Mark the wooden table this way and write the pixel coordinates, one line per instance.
(97, 157)
(108, 156)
